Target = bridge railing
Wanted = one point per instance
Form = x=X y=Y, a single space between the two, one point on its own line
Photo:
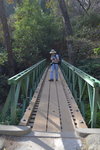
x=22 y=87
x=85 y=89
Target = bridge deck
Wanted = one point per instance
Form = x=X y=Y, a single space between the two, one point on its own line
x=53 y=113
x=53 y=107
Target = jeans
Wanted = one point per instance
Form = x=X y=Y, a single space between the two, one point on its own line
x=54 y=69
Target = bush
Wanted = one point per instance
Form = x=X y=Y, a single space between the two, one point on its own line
x=87 y=26
x=91 y=66
x=91 y=20
x=83 y=48
x=89 y=33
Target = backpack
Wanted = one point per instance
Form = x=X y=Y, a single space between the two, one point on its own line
x=60 y=59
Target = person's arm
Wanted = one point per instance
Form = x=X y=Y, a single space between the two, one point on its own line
x=52 y=59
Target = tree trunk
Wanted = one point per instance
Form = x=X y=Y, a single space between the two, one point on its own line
x=7 y=38
x=68 y=29
x=64 y=11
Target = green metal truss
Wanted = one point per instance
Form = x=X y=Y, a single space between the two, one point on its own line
x=82 y=86
x=22 y=87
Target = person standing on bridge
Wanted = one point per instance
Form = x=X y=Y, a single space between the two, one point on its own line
x=54 y=65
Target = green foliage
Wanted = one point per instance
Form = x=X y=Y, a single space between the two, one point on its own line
x=88 y=115
x=7 y=120
x=87 y=26
x=3 y=57
x=19 y=115
x=91 y=66
x=98 y=119
x=8 y=117
x=87 y=36
x=83 y=48
x=91 y=20
x=88 y=33
x=35 y=32
x=97 y=51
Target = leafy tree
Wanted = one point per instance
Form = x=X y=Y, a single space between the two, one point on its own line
x=35 y=32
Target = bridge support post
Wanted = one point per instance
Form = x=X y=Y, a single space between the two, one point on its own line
x=94 y=106
x=14 y=100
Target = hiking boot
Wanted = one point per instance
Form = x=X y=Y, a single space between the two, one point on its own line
x=51 y=80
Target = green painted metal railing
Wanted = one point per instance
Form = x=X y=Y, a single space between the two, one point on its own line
x=22 y=87
x=84 y=87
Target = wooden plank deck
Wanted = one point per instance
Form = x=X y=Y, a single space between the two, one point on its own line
x=66 y=121
x=53 y=114
x=53 y=110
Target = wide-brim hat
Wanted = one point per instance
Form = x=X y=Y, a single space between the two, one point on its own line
x=52 y=51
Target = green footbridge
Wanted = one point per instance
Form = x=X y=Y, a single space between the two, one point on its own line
x=84 y=88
